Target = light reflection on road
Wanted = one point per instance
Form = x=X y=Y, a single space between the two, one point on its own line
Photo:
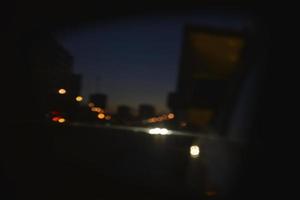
x=147 y=130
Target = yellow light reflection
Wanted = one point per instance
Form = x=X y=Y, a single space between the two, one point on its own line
x=171 y=116
x=79 y=98
x=108 y=117
x=62 y=91
x=101 y=116
x=194 y=151
x=62 y=120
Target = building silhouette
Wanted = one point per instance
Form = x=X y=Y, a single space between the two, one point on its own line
x=146 y=111
x=210 y=63
x=124 y=115
x=51 y=70
x=99 y=100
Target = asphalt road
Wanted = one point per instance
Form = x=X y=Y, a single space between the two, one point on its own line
x=87 y=162
x=84 y=161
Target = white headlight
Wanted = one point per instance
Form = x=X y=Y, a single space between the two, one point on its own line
x=164 y=131
x=154 y=131
x=194 y=151
x=161 y=131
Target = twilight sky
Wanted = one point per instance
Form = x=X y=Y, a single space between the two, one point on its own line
x=133 y=60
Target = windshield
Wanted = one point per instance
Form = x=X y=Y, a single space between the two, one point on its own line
x=152 y=106
x=174 y=71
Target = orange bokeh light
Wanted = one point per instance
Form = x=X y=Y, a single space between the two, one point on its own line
x=101 y=116
x=62 y=91
x=171 y=116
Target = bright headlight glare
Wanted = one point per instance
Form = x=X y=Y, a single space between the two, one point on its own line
x=159 y=131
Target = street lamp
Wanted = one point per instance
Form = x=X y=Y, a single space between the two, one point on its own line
x=62 y=91
x=61 y=120
x=171 y=116
x=101 y=116
x=97 y=109
x=79 y=98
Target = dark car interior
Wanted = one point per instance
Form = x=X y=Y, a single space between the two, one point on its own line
x=44 y=159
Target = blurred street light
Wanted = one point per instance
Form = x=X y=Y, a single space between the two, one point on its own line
x=101 y=116
x=151 y=120
x=79 y=98
x=91 y=104
x=62 y=91
x=171 y=116
x=97 y=109
x=61 y=120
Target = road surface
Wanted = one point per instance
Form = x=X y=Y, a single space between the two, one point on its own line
x=81 y=161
